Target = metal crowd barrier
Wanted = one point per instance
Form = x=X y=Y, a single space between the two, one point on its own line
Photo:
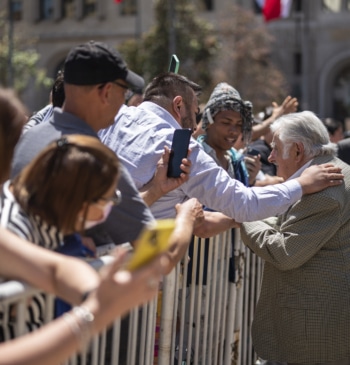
x=202 y=315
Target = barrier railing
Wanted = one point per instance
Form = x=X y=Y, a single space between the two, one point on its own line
x=202 y=316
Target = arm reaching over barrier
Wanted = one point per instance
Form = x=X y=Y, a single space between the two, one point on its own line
x=114 y=293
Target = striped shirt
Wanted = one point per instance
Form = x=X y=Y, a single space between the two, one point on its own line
x=30 y=228
x=41 y=116
x=33 y=229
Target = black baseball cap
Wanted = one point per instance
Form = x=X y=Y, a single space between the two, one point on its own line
x=95 y=63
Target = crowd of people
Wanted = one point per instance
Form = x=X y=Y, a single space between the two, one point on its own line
x=91 y=168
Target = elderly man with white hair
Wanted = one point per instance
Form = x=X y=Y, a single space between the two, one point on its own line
x=303 y=313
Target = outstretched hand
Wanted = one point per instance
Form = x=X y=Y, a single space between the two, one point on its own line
x=165 y=183
x=161 y=184
x=120 y=291
x=190 y=211
x=188 y=214
x=319 y=177
x=289 y=105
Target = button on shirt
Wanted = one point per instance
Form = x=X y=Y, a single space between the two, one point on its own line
x=138 y=137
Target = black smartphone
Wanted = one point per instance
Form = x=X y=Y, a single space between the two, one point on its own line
x=179 y=149
x=174 y=64
x=252 y=151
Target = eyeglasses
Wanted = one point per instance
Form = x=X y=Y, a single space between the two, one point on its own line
x=127 y=91
x=125 y=87
x=115 y=199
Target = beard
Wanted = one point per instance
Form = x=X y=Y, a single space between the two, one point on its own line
x=187 y=121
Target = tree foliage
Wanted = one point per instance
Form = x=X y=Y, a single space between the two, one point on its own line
x=244 y=60
x=196 y=44
x=237 y=51
x=24 y=60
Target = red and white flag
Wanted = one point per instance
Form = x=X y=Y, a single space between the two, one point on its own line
x=118 y=1
x=275 y=9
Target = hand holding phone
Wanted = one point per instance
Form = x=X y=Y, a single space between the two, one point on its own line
x=153 y=240
x=179 y=150
x=252 y=151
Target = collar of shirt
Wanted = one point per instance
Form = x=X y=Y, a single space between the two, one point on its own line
x=211 y=152
x=300 y=171
x=160 y=112
x=71 y=124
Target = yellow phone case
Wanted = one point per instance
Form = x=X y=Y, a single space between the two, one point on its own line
x=152 y=241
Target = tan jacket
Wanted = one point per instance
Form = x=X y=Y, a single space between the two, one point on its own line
x=303 y=313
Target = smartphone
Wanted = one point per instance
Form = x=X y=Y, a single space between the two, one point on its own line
x=179 y=150
x=252 y=152
x=153 y=240
x=174 y=64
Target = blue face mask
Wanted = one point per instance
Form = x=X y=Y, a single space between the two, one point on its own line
x=106 y=209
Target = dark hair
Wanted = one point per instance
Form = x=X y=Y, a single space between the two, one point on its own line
x=57 y=91
x=332 y=125
x=12 y=119
x=69 y=172
x=132 y=96
x=165 y=87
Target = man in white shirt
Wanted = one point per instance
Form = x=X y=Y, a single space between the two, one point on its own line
x=170 y=102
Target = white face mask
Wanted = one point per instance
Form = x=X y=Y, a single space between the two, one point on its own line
x=106 y=209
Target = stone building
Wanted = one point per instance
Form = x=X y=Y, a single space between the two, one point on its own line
x=312 y=45
x=313 y=50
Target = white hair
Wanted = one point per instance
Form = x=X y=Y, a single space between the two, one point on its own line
x=306 y=128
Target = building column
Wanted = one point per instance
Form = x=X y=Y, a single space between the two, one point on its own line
x=101 y=9
x=79 y=10
x=57 y=9
x=31 y=11
x=305 y=46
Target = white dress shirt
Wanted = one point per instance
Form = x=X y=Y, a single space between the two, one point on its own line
x=138 y=137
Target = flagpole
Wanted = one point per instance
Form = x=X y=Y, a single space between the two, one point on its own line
x=10 y=45
x=138 y=25
x=172 y=36
x=305 y=36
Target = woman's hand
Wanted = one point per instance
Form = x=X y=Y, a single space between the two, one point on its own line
x=120 y=291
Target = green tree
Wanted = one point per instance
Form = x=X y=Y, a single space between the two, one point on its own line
x=24 y=60
x=196 y=44
x=244 y=59
x=237 y=51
